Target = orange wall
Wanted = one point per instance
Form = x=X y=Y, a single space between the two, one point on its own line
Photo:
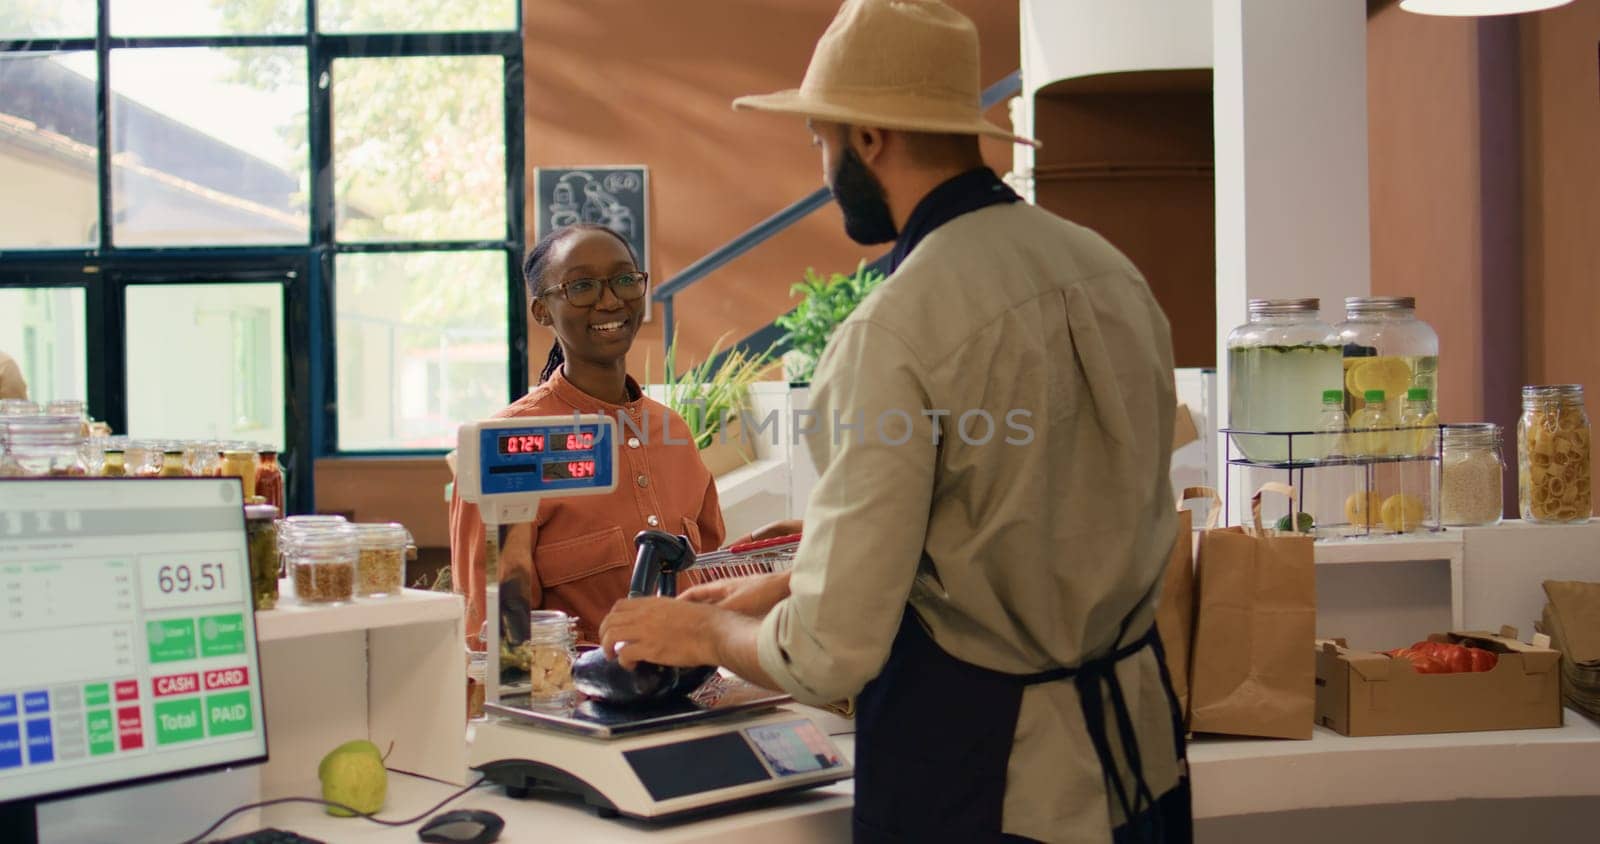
x=1561 y=95
x=650 y=82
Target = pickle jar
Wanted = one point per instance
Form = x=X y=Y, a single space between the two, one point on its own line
x=1472 y=473
x=323 y=561
x=1554 y=456
x=1279 y=365
x=381 y=569
x=551 y=649
x=1387 y=348
x=261 y=534
x=43 y=447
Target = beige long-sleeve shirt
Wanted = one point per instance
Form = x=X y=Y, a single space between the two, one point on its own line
x=1022 y=542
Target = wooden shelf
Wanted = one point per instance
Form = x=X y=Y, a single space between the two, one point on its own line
x=291 y=620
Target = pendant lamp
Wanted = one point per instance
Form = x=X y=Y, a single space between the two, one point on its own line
x=1477 y=8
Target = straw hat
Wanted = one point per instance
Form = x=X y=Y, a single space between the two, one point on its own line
x=892 y=64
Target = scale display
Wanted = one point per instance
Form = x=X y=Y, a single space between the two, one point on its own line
x=545 y=455
x=127 y=637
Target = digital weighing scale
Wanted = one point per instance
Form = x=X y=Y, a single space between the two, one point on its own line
x=727 y=743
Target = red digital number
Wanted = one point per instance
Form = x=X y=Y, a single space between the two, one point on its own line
x=578 y=442
x=583 y=469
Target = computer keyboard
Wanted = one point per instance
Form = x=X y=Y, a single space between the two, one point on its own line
x=267 y=836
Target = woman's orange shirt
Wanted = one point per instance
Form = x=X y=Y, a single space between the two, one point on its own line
x=582 y=548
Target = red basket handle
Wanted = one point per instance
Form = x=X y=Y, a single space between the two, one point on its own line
x=759 y=544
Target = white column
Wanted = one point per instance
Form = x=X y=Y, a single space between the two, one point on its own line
x=1291 y=156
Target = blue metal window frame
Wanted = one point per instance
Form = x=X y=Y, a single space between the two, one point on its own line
x=307 y=271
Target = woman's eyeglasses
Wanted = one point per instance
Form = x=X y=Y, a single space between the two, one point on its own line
x=585 y=292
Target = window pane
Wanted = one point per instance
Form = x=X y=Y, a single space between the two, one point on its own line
x=47 y=19
x=205 y=361
x=416 y=15
x=419 y=148
x=422 y=346
x=49 y=165
x=206 y=17
x=219 y=159
x=44 y=329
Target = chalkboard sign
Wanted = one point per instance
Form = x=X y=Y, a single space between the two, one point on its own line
x=616 y=197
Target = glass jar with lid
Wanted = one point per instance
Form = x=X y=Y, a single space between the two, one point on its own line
x=261 y=535
x=43 y=446
x=291 y=527
x=114 y=465
x=550 y=651
x=1471 y=475
x=381 y=569
x=1554 y=456
x=324 y=564
x=1279 y=365
x=1387 y=348
x=241 y=464
x=269 y=476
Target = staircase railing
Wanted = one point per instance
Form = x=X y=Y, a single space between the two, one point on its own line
x=769 y=338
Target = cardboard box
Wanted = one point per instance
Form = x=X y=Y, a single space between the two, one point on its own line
x=1365 y=693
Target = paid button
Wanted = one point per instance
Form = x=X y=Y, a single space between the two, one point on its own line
x=228 y=713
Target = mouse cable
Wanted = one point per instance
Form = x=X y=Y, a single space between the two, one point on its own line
x=326 y=803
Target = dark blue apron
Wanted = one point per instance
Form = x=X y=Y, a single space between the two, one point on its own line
x=934 y=736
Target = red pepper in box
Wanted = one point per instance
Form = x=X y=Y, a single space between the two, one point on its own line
x=1483 y=660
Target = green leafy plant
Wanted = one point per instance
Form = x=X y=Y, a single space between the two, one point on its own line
x=826 y=304
x=707 y=395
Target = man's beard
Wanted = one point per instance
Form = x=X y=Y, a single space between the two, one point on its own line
x=867 y=219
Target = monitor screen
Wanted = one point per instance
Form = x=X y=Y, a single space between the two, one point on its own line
x=127 y=640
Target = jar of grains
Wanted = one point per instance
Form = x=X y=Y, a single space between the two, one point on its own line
x=551 y=646
x=381 y=569
x=1554 y=455
x=1472 y=472
x=324 y=564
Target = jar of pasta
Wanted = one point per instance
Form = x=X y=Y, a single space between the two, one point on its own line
x=1471 y=493
x=550 y=651
x=1554 y=456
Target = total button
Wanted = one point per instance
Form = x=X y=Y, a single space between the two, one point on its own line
x=643 y=480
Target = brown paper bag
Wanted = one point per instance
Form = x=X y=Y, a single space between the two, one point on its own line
x=1252 y=671
x=1175 y=608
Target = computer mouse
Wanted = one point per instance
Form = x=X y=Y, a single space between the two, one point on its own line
x=462 y=826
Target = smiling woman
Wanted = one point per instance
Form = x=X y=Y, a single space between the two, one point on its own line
x=584 y=284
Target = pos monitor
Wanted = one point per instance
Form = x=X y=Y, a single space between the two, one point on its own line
x=127 y=639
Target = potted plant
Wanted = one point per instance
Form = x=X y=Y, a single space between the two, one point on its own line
x=710 y=398
x=826 y=304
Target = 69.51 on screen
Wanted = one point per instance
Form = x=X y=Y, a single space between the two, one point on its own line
x=189 y=579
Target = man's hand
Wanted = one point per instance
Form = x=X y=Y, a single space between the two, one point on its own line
x=669 y=631
x=784 y=527
x=664 y=631
x=753 y=595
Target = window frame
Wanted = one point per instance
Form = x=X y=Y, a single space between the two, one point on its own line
x=311 y=358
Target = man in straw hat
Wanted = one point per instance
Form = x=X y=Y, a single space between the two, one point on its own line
x=985 y=542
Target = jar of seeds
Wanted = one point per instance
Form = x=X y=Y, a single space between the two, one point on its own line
x=381 y=567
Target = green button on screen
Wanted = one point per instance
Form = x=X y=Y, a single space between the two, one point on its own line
x=102 y=732
x=96 y=694
x=228 y=713
x=178 y=720
x=171 y=640
x=222 y=635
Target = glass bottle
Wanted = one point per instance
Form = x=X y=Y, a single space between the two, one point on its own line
x=44 y=446
x=269 y=478
x=114 y=467
x=324 y=564
x=172 y=463
x=241 y=464
x=381 y=570
x=1334 y=425
x=261 y=533
x=1374 y=414
x=1472 y=472
x=1554 y=456
x=551 y=647
x=1387 y=348
x=1279 y=364
x=1421 y=424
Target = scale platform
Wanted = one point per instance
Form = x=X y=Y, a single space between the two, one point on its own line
x=730 y=743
